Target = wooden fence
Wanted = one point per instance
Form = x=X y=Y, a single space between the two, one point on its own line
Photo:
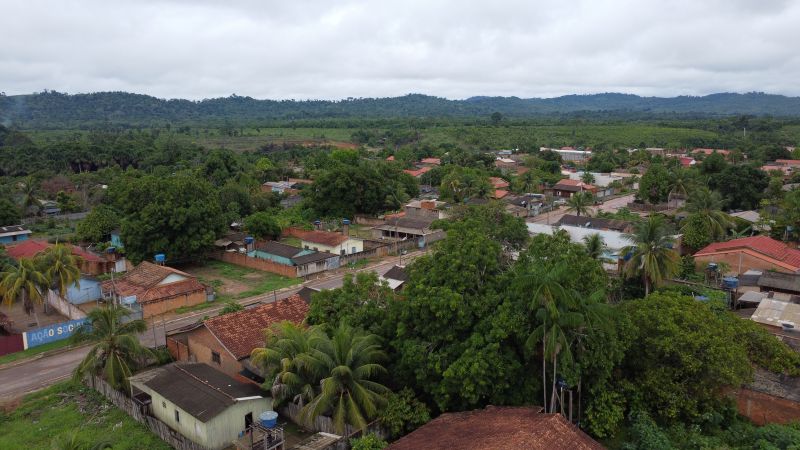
x=157 y=427
x=325 y=424
x=265 y=265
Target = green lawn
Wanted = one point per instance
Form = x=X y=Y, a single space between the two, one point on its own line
x=34 y=351
x=69 y=407
x=247 y=282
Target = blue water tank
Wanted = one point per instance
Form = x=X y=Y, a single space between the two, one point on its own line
x=248 y=240
x=346 y=221
x=317 y=222
x=160 y=257
x=268 y=419
x=111 y=250
x=730 y=282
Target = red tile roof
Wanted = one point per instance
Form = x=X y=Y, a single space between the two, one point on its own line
x=708 y=151
x=434 y=161
x=329 y=238
x=775 y=250
x=686 y=161
x=242 y=331
x=499 y=193
x=573 y=185
x=417 y=173
x=498 y=182
x=498 y=428
x=390 y=158
x=30 y=248
x=143 y=282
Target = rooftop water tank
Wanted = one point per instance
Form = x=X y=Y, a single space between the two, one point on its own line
x=248 y=240
x=111 y=250
x=160 y=258
x=268 y=419
x=730 y=282
x=346 y=221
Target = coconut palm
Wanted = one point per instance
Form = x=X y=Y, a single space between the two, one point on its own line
x=580 y=202
x=707 y=205
x=594 y=244
x=30 y=194
x=348 y=392
x=24 y=283
x=61 y=267
x=117 y=351
x=679 y=183
x=651 y=255
x=588 y=178
x=282 y=357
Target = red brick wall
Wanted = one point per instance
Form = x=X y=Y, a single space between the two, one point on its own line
x=169 y=304
x=256 y=263
x=764 y=408
x=747 y=262
x=202 y=343
x=178 y=350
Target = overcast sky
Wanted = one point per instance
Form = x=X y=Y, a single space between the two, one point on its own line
x=456 y=49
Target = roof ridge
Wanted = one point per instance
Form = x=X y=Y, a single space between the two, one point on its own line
x=204 y=382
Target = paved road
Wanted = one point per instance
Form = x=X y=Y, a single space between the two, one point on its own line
x=39 y=373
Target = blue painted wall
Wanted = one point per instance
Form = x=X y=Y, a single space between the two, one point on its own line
x=271 y=257
x=88 y=292
x=51 y=333
x=11 y=239
x=116 y=240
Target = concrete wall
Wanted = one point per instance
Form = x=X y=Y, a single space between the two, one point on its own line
x=740 y=261
x=13 y=239
x=347 y=246
x=155 y=308
x=89 y=291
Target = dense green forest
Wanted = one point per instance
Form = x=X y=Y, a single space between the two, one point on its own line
x=54 y=109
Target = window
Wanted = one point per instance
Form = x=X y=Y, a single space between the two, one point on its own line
x=177 y=416
x=215 y=357
x=353 y=250
x=342 y=251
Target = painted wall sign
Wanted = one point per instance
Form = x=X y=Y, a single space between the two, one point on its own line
x=51 y=333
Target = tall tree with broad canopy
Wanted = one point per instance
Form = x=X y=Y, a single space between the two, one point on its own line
x=178 y=215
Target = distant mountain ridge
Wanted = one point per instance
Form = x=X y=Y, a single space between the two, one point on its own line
x=52 y=108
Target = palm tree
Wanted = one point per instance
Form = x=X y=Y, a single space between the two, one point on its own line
x=24 y=283
x=707 y=205
x=351 y=361
x=580 y=203
x=594 y=244
x=117 y=351
x=30 y=194
x=587 y=177
x=679 y=183
x=651 y=255
x=61 y=267
x=283 y=358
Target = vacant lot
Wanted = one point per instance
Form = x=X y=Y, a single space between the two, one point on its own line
x=233 y=282
x=67 y=408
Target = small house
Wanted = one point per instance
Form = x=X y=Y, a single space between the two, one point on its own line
x=395 y=278
x=566 y=188
x=202 y=404
x=225 y=342
x=13 y=233
x=154 y=289
x=755 y=252
x=332 y=242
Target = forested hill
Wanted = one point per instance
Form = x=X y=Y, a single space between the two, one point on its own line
x=51 y=108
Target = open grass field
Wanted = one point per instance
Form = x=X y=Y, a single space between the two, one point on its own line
x=67 y=408
x=234 y=282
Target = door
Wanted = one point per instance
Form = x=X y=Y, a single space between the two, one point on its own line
x=248 y=421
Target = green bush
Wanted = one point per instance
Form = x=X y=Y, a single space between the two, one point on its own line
x=368 y=442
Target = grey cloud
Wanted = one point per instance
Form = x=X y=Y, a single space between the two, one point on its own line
x=336 y=49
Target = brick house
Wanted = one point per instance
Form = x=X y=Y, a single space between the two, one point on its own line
x=90 y=264
x=755 y=252
x=566 y=188
x=225 y=342
x=154 y=289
